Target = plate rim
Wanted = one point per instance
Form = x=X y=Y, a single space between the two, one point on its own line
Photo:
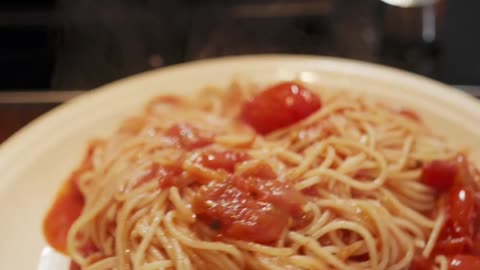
x=349 y=66
x=109 y=87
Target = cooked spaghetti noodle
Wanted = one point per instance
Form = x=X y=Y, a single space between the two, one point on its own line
x=196 y=183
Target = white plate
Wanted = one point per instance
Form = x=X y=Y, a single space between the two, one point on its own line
x=35 y=161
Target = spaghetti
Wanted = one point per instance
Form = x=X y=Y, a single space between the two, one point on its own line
x=282 y=178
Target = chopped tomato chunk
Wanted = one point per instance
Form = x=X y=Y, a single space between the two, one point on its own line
x=476 y=242
x=279 y=194
x=457 y=233
x=225 y=160
x=235 y=213
x=188 y=136
x=249 y=208
x=464 y=262
x=279 y=106
x=460 y=231
x=439 y=174
x=74 y=266
x=462 y=211
x=453 y=246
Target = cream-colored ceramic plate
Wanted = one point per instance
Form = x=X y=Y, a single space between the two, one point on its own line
x=35 y=161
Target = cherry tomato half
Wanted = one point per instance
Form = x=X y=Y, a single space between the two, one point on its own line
x=439 y=174
x=279 y=106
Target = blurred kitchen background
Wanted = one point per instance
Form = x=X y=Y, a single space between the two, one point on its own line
x=51 y=46
x=80 y=44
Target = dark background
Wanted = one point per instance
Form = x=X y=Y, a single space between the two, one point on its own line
x=80 y=44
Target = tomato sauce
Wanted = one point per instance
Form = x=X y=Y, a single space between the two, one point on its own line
x=67 y=206
x=65 y=210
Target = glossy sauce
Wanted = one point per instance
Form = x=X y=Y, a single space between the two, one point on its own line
x=67 y=206
x=65 y=210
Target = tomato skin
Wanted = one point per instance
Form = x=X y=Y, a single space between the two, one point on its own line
x=457 y=233
x=439 y=174
x=453 y=246
x=250 y=208
x=74 y=266
x=462 y=210
x=225 y=160
x=476 y=244
x=279 y=106
x=188 y=136
x=235 y=213
x=279 y=194
x=464 y=262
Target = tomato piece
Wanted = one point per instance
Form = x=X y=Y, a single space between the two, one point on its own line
x=302 y=221
x=457 y=234
x=167 y=176
x=439 y=174
x=74 y=266
x=462 y=210
x=188 y=136
x=464 y=262
x=421 y=263
x=249 y=208
x=235 y=213
x=225 y=160
x=277 y=193
x=476 y=244
x=279 y=106
x=453 y=246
